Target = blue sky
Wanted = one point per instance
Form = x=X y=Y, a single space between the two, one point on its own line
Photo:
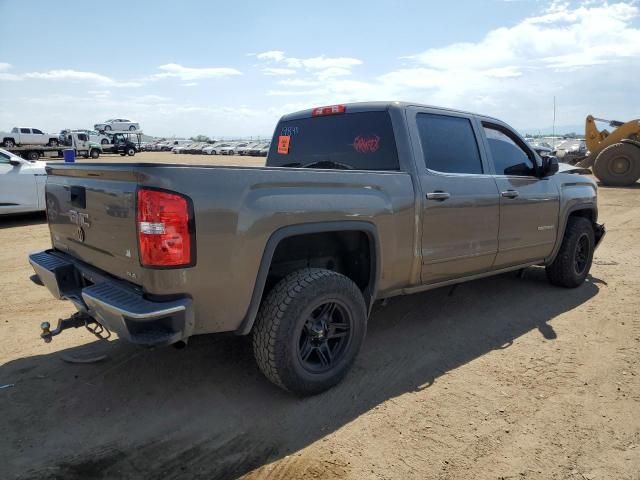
x=232 y=68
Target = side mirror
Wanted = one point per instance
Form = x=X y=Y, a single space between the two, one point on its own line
x=15 y=163
x=549 y=165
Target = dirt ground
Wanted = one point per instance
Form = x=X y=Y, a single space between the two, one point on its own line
x=504 y=378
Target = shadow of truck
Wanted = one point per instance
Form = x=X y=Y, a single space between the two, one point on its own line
x=207 y=412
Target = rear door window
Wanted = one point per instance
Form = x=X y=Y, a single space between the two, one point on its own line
x=448 y=144
x=358 y=141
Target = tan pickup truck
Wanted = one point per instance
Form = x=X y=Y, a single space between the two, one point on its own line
x=356 y=203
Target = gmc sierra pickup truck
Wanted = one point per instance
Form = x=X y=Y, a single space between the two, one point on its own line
x=356 y=203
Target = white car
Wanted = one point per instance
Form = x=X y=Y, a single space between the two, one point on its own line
x=233 y=148
x=21 y=184
x=117 y=124
x=216 y=148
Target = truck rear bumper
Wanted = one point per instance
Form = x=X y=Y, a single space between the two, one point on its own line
x=117 y=306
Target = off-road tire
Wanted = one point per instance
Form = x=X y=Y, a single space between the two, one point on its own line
x=618 y=164
x=563 y=271
x=282 y=316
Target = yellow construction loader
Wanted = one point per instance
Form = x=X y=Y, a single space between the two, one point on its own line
x=614 y=157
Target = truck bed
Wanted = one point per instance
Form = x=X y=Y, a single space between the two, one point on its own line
x=237 y=211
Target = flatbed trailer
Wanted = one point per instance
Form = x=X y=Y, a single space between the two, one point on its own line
x=35 y=152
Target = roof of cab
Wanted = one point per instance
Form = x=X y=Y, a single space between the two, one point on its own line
x=378 y=106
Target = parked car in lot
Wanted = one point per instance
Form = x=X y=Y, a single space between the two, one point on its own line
x=264 y=151
x=258 y=150
x=21 y=184
x=232 y=149
x=571 y=149
x=541 y=148
x=216 y=148
x=168 y=145
x=245 y=149
x=356 y=203
x=117 y=124
x=195 y=148
x=182 y=148
x=27 y=136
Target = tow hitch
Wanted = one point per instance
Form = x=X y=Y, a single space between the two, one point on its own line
x=78 y=319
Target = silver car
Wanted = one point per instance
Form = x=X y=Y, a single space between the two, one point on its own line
x=117 y=124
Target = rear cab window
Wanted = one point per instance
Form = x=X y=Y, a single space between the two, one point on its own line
x=350 y=141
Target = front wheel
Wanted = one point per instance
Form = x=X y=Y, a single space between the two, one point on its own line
x=309 y=330
x=131 y=151
x=132 y=128
x=104 y=141
x=95 y=153
x=9 y=143
x=573 y=261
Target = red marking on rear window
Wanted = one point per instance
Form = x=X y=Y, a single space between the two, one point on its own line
x=366 y=143
x=283 y=144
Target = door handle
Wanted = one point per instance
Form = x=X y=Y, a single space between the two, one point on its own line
x=510 y=194
x=437 y=195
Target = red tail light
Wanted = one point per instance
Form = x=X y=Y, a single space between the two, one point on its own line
x=164 y=233
x=330 y=110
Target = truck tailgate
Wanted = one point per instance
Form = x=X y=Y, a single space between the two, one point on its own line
x=92 y=216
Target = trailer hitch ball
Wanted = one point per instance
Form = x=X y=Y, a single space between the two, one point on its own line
x=46 y=332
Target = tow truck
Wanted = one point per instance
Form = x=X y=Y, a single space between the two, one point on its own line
x=77 y=140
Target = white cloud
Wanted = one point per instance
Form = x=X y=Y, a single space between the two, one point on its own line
x=583 y=55
x=275 y=55
x=278 y=71
x=174 y=70
x=10 y=77
x=75 y=75
x=170 y=70
x=322 y=66
x=559 y=38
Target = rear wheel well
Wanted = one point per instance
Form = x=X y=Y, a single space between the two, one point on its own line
x=349 y=252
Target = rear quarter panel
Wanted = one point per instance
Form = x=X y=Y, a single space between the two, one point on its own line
x=237 y=210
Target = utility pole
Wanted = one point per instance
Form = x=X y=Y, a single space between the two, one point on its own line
x=553 y=128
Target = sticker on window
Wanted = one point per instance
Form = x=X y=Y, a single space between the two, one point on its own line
x=290 y=131
x=366 y=143
x=283 y=144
